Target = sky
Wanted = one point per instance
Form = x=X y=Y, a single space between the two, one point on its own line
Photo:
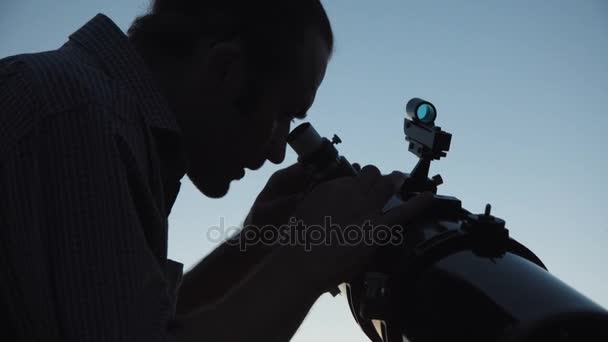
x=522 y=85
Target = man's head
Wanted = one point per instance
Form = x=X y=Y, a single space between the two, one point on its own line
x=236 y=73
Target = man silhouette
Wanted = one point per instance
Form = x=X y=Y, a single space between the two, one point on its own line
x=94 y=139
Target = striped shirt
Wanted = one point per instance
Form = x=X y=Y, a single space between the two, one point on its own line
x=89 y=169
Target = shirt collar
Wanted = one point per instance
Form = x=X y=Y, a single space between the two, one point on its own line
x=114 y=53
x=119 y=59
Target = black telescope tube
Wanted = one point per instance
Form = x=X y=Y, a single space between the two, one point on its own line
x=465 y=297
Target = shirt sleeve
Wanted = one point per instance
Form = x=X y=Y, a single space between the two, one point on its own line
x=74 y=261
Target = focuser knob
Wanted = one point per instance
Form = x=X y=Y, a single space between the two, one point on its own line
x=336 y=139
x=485 y=221
x=437 y=180
x=488 y=233
x=488 y=210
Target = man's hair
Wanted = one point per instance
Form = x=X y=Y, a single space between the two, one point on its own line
x=269 y=30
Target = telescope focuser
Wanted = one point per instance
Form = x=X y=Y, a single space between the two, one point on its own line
x=319 y=155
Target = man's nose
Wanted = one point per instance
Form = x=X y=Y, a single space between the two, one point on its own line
x=277 y=152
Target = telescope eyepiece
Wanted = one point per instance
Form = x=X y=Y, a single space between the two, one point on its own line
x=422 y=111
x=304 y=140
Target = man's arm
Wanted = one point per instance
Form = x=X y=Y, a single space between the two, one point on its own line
x=232 y=261
x=224 y=268
x=268 y=305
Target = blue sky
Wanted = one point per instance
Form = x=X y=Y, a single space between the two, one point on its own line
x=521 y=85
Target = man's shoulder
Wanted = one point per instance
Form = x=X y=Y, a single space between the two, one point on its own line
x=42 y=86
x=60 y=79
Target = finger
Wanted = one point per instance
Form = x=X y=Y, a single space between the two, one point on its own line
x=385 y=187
x=290 y=180
x=414 y=208
x=368 y=177
x=275 y=212
x=285 y=205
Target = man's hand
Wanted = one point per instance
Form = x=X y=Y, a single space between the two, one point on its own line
x=352 y=201
x=228 y=264
x=279 y=198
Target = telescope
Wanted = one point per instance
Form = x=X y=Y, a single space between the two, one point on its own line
x=456 y=276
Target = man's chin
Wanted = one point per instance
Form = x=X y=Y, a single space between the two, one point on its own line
x=212 y=189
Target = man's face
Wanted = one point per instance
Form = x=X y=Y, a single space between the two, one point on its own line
x=222 y=139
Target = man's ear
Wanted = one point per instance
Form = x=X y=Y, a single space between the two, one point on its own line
x=225 y=69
